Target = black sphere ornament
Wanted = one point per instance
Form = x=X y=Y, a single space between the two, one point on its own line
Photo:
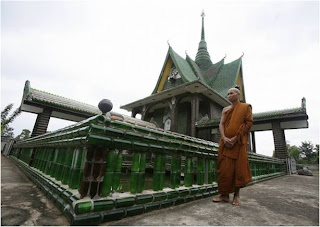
x=105 y=105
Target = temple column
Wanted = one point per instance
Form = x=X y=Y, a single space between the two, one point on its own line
x=42 y=122
x=253 y=139
x=143 y=112
x=279 y=141
x=194 y=114
x=134 y=113
x=215 y=112
x=173 y=105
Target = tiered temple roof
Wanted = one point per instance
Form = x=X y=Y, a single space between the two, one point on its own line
x=215 y=78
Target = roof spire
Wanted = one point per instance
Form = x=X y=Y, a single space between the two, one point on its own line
x=202 y=30
x=203 y=58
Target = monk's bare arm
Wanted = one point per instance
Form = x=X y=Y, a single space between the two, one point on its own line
x=221 y=127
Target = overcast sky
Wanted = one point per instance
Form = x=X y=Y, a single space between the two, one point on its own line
x=90 y=50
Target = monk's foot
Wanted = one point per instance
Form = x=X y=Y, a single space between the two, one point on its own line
x=221 y=198
x=236 y=201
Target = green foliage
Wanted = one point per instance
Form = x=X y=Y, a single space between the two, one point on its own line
x=6 y=130
x=317 y=151
x=294 y=152
x=25 y=134
x=308 y=152
x=304 y=154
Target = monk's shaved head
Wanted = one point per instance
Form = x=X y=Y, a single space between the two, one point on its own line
x=236 y=90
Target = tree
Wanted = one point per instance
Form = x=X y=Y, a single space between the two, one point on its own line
x=6 y=130
x=25 y=134
x=294 y=152
x=317 y=150
x=307 y=151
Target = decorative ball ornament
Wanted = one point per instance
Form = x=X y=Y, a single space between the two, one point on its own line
x=105 y=105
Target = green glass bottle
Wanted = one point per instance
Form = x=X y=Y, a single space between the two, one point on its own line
x=54 y=163
x=134 y=172
x=141 y=175
x=162 y=171
x=188 y=172
x=175 y=172
x=117 y=172
x=43 y=159
x=109 y=172
x=156 y=173
x=67 y=165
x=61 y=158
x=200 y=171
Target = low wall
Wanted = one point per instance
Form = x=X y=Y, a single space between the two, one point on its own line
x=310 y=166
x=82 y=167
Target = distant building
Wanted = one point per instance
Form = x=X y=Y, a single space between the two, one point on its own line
x=6 y=144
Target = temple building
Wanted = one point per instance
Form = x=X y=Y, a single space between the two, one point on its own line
x=190 y=95
x=189 y=91
x=188 y=98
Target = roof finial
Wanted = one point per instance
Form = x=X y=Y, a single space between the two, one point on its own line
x=242 y=54
x=203 y=58
x=186 y=52
x=203 y=14
x=202 y=30
x=303 y=103
x=105 y=106
x=168 y=42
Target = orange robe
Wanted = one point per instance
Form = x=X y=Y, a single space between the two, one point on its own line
x=233 y=164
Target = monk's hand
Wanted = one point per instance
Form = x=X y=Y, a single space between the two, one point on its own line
x=227 y=142
x=233 y=140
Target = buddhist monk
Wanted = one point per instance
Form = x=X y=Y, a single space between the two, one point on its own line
x=233 y=165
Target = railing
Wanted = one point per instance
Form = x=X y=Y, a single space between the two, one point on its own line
x=102 y=169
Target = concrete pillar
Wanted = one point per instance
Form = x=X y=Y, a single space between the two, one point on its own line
x=143 y=112
x=194 y=113
x=42 y=122
x=134 y=113
x=253 y=139
x=279 y=141
x=173 y=107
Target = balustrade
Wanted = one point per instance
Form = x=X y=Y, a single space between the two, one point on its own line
x=81 y=167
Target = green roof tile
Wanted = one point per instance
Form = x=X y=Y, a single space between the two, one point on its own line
x=258 y=116
x=45 y=97
x=278 y=113
x=185 y=70
x=226 y=77
x=218 y=76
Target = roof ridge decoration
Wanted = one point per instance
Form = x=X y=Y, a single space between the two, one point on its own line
x=259 y=115
x=31 y=94
x=59 y=96
x=203 y=58
x=194 y=66
x=281 y=111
